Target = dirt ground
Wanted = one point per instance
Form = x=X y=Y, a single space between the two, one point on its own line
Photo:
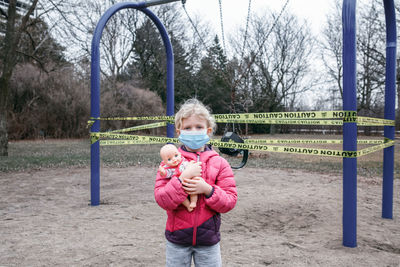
x=282 y=218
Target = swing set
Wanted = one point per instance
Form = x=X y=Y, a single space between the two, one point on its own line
x=232 y=144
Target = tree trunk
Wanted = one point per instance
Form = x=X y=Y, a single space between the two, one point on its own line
x=3 y=133
x=9 y=58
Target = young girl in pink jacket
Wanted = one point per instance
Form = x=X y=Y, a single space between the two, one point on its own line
x=196 y=234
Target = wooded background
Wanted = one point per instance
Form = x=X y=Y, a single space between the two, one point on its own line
x=269 y=65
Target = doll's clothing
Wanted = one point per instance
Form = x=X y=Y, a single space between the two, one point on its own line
x=174 y=170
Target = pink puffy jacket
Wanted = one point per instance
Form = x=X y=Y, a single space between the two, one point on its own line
x=201 y=226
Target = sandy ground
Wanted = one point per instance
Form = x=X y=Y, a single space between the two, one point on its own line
x=283 y=218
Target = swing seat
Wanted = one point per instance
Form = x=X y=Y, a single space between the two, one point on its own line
x=233 y=137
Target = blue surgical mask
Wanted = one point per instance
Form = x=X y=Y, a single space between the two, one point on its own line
x=194 y=139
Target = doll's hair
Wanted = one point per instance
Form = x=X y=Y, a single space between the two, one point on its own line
x=194 y=107
x=167 y=148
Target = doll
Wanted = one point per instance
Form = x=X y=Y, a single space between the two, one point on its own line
x=172 y=165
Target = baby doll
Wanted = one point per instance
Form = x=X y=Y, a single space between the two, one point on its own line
x=173 y=164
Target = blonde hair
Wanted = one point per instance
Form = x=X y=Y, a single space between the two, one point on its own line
x=194 y=107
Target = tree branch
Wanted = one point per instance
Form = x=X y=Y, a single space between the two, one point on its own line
x=4 y=13
x=25 y=18
x=35 y=59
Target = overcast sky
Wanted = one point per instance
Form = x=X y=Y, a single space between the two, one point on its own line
x=234 y=14
x=235 y=11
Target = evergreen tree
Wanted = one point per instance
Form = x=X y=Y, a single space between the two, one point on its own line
x=184 y=78
x=213 y=80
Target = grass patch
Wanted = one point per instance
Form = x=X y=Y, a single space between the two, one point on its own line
x=134 y=155
x=34 y=155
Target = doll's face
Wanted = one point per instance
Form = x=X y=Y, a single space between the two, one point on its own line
x=171 y=157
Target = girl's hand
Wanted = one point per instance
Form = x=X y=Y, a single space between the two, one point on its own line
x=192 y=169
x=196 y=186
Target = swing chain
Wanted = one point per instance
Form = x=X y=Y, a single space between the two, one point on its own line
x=222 y=25
x=247 y=27
x=192 y=23
x=254 y=55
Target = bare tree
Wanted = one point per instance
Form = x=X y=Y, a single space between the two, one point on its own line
x=331 y=54
x=370 y=55
x=79 y=20
x=28 y=37
x=129 y=39
x=371 y=59
x=282 y=63
x=16 y=24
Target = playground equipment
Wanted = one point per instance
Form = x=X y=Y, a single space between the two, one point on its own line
x=349 y=105
x=95 y=82
x=233 y=151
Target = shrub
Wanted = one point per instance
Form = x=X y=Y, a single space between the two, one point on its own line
x=57 y=104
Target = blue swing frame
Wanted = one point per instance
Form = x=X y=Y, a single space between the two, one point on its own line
x=349 y=103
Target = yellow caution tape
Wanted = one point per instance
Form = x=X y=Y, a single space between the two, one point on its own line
x=369 y=150
x=168 y=119
x=138 y=139
x=137 y=142
x=306 y=122
x=90 y=123
x=302 y=150
x=274 y=121
x=284 y=149
x=375 y=121
x=248 y=145
x=289 y=115
x=141 y=127
x=297 y=118
x=351 y=115
x=307 y=141
x=142 y=118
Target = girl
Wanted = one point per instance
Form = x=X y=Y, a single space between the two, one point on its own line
x=196 y=234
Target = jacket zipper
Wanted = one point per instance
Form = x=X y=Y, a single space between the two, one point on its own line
x=196 y=217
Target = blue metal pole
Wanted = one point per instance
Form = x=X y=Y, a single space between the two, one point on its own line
x=390 y=98
x=350 y=128
x=95 y=87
